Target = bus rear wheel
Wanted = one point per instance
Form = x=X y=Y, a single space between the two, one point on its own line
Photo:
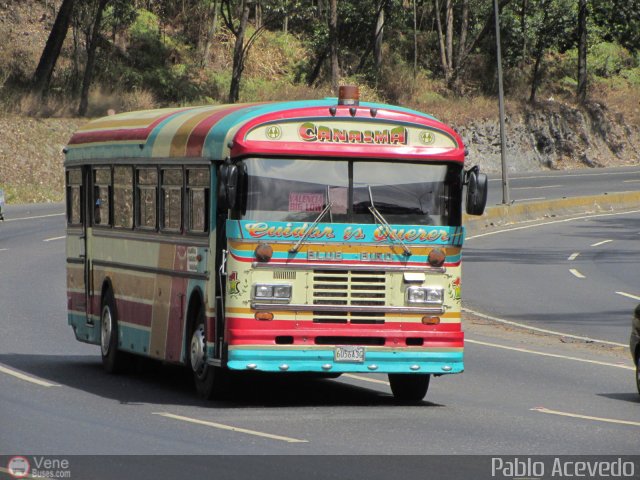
x=112 y=359
x=409 y=388
x=208 y=379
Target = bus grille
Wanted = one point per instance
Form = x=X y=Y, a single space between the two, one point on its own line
x=349 y=289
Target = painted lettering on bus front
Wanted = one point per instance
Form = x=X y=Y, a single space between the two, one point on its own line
x=310 y=132
x=349 y=232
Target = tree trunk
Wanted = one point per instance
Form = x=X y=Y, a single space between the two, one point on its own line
x=285 y=20
x=91 y=58
x=333 y=40
x=523 y=27
x=464 y=26
x=441 y=42
x=42 y=76
x=238 y=54
x=415 y=40
x=210 y=34
x=377 y=42
x=582 y=51
x=449 y=26
x=539 y=53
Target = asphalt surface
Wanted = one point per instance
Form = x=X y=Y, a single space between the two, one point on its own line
x=548 y=185
x=520 y=393
x=579 y=277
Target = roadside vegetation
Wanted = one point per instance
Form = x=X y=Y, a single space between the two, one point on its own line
x=437 y=56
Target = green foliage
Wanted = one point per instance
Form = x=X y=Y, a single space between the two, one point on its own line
x=606 y=59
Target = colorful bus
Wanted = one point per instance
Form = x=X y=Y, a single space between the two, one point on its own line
x=309 y=236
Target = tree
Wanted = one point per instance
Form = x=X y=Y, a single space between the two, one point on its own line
x=42 y=76
x=333 y=45
x=582 y=51
x=91 y=58
x=238 y=49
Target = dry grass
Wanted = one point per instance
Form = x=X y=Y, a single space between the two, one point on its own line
x=31 y=159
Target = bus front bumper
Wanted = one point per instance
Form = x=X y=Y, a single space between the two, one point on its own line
x=376 y=360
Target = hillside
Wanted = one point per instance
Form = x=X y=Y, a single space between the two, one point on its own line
x=552 y=132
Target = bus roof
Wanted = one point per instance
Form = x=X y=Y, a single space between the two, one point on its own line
x=319 y=128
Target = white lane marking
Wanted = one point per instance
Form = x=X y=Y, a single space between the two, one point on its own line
x=530 y=199
x=54 y=238
x=545 y=354
x=543 y=330
x=33 y=218
x=537 y=188
x=230 y=428
x=585 y=417
x=552 y=222
x=26 y=378
x=563 y=175
x=601 y=243
x=364 y=379
x=576 y=273
x=573 y=256
x=624 y=294
x=3 y=249
x=631 y=181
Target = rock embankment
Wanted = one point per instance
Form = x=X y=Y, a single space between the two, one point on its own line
x=554 y=136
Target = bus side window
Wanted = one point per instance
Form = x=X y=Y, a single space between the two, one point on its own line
x=123 y=197
x=172 y=184
x=198 y=181
x=146 y=192
x=101 y=196
x=74 y=196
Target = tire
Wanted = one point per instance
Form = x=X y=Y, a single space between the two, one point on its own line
x=210 y=381
x=409 y=388
x=113 y=360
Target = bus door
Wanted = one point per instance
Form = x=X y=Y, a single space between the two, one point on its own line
x=78 y=216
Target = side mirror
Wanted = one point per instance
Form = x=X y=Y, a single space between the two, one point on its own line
x=477 y=188
x=223 y=198
x=227 y=186
x=232 y=186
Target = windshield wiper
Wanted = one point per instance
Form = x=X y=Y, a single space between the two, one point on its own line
x=387 y=228
x=297 y=246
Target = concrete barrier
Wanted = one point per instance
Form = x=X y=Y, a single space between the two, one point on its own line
x=504 y=215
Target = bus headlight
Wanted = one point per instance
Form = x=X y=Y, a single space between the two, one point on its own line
x=425 y=295
x=272 y=293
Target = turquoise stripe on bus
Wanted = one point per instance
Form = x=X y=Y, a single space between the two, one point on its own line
x=132 y=339
x=158 y=128
x=216 y=143
x=269 y=360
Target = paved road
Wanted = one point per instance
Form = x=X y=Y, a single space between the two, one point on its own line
x=519 y=394
x=547 y=185
x=579 y=277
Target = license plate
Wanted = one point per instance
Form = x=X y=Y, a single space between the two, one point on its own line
x=349 y=354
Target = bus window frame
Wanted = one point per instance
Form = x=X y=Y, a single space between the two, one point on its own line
x=94 y=185
x=137 y=198
x=161 y=211
x=132 y=169
x=188 y=204
x=69 y=197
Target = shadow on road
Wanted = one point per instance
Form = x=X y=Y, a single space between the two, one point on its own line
x=624 y=397
x=151 y=382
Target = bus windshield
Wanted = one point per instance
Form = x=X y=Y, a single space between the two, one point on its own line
x=294 y=190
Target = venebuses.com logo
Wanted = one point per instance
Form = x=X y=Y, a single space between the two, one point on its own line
x=39 y=467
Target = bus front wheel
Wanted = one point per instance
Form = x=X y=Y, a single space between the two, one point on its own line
x=409 y=388
x=208 y=379
x=112 y=359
